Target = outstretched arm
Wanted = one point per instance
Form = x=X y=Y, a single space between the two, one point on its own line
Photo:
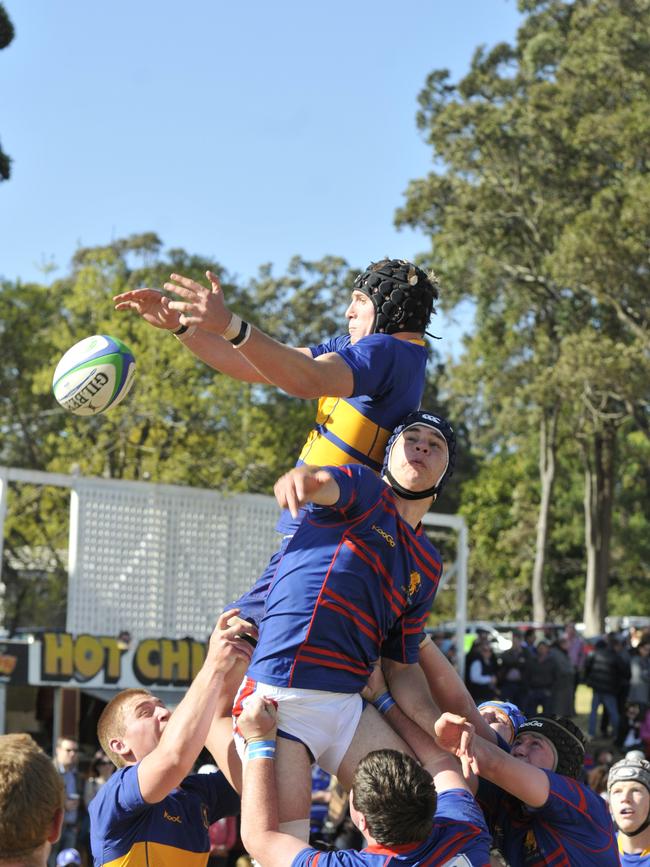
x=154 y=307
x=409 y=688
x=443 y=767
x=184 y=734
x=259 y=806
x=294 y=371
x=220 y=741
x=448 y=690
x=523 y=780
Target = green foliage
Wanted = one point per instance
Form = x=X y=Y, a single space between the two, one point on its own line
x=537 y=210
x=183 y=422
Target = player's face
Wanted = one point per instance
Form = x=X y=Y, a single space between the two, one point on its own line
x=418 y=458
x=629 y=802
x=535 y=750
x=144 y=722
x=499 y=721
x=360 y=315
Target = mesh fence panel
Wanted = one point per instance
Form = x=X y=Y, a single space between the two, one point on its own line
x=159 y=560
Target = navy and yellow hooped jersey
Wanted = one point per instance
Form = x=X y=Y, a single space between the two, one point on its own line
x=388 y=384
x=125 y=831
x=354 y=583
x=640 y=859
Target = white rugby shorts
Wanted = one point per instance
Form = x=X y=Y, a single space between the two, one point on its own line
x=325 y=722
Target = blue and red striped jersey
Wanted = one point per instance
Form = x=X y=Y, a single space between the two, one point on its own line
x=572 y=829
x=459 y=838
x=356 y=582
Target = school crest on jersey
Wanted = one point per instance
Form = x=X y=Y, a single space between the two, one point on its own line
x=415 y=582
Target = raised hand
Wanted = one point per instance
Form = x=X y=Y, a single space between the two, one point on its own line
x=227 y=646
x=299 y=487
x=376 y=685
x=200 y=306
x=455 y=735
x=258 y=719
x=152 y=305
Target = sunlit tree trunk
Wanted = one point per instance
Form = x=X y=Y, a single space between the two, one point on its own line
x=600 y=460
x=547 y=448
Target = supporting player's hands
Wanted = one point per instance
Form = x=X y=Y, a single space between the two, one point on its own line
x=376 y=685
x=227 y=647
x=200 y=306
x=259 y=718
x=152 y=305
x=455 y=735
x=302 y=485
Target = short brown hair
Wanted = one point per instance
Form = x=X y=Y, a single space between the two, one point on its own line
x=397 y=797
x=31 y=793
x=111 y=722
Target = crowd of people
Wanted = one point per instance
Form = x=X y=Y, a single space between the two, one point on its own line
x=542 y=674
x=326 y=662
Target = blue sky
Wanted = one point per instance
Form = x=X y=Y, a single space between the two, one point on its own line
x=246 y=132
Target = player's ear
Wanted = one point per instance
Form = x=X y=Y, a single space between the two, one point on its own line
x=55 y=827
x=118 y=746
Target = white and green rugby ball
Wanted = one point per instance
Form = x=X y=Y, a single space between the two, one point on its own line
x=94 y=375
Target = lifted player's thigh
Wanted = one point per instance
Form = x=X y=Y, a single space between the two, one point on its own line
x=373 y=733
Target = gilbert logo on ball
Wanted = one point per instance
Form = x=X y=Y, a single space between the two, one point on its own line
x=94 y=375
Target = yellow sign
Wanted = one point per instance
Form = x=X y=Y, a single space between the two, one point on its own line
x=105 y=661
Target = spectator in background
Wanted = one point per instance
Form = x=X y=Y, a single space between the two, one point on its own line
x=563 y=687
x=65 y=761
x=597 y=780
x=31 y=802
x=529 y=640
x=320 y=800
x=605 y=670
x=639 y=690
x=541 y=673
x=644 y=731
x=482 y=673
x=630 y=728
x=577 y=651
x=512 y=665
x=100 y=770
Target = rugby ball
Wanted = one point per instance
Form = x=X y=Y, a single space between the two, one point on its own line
x=94 y=375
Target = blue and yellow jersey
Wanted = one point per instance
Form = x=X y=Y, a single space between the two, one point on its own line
x=640 y=859
x=572 y=829
x=388 y=384
x=125 y=831
x=459 y=839
x=355 y=582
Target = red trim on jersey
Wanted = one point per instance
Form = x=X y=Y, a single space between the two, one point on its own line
x=373 y=635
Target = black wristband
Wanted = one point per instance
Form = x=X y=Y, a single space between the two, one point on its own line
x=180 y=330
x=243 y=335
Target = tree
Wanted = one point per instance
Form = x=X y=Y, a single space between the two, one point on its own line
x=183 y=422
x=530 y=148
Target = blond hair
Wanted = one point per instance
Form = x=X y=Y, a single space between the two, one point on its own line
x=111 y=722
x=31 y=794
